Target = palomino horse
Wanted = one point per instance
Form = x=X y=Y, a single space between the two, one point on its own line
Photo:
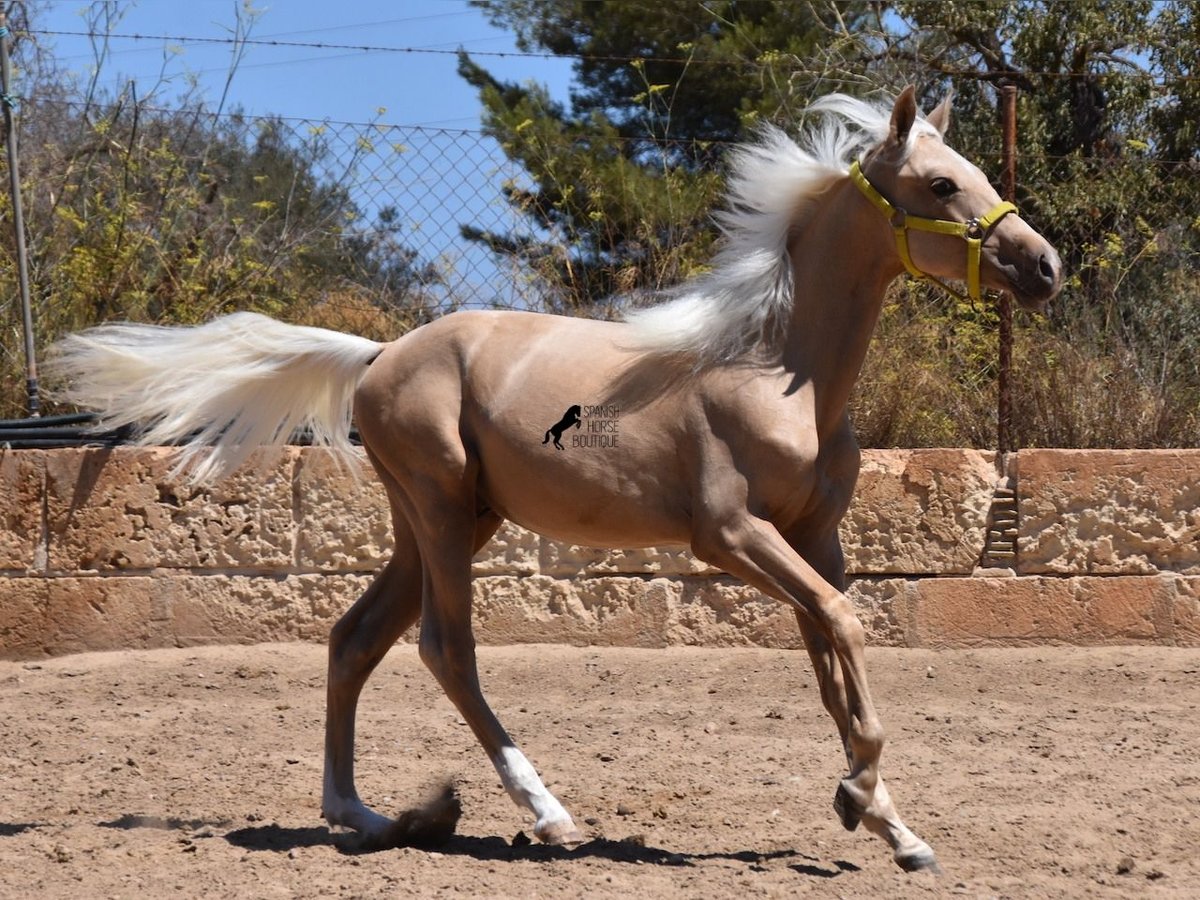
x=731 y=399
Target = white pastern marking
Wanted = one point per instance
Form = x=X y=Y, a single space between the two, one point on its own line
x=349 y=812
x=521 y=781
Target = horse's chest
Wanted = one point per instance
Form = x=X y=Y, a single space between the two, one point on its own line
x=801 y=481
x=830 y=495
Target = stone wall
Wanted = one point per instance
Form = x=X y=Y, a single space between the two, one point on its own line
x=103 y=549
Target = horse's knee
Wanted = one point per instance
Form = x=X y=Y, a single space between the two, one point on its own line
x=841 y=622
x=721 y=544
x=866 y=739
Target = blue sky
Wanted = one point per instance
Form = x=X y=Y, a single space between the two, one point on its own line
x=415 y=88
x=450 y=183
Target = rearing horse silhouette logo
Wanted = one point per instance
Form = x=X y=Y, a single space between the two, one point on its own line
x=570 y=417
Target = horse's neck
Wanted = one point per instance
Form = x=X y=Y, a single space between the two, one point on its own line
x=842 y=262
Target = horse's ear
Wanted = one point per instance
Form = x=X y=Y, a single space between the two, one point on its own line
x=904 y=114
x=940 y=117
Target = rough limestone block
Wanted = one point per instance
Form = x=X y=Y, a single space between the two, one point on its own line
x=618 y=612
x=511 y=551
x=121 y=509
x=141 y=611
x=1109 y=511
x=21 y=476
x=23 y=603
x=106 y=614
x=344 y=523
x=240 y=609
x=918 y=512
x=884 y=607
x=570 y=561
x=1185 y=625
x=724 y=612
x=968 y=612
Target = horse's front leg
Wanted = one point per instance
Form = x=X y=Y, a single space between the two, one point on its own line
x=880 y=816
x=753 y=550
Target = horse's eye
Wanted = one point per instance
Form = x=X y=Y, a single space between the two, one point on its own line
x=943 y=188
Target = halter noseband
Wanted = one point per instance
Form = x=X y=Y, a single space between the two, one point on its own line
x=974 y=232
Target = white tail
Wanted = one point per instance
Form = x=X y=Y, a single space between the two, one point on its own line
x=221 y=389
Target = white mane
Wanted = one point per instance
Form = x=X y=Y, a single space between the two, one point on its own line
x=746 y=299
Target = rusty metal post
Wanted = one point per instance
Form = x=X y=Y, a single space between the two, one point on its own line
x=1008 y=187
x=14 y=179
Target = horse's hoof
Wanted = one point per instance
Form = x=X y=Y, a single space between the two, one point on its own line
x=849 y=810
x=560 y=834
x=921 y=861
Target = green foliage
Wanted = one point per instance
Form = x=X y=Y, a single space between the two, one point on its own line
x=1109 y=152
x=679 y=69
x=144 y=215
x=602 y=221
x=621 y=185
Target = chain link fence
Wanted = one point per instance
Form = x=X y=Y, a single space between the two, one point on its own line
x=422 y=186
x=151 y=214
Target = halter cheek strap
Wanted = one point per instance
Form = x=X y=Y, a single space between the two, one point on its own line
x=974 y=232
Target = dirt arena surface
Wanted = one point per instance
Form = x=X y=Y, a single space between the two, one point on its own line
x=1047 y=772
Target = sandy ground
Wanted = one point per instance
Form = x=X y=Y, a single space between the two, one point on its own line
x=1048 y=772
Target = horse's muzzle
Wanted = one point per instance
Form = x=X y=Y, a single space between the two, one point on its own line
x=1041 y=282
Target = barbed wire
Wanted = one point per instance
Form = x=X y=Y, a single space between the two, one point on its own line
x=1126 y=71
x=271 y=117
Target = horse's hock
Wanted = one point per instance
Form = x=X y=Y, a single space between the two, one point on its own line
x=103 y=549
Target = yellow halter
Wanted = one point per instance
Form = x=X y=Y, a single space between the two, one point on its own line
x=974 y=232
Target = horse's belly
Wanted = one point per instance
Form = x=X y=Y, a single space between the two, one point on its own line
x=608 y=526
x=603 y=484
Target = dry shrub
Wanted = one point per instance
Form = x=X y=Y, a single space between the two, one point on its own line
x=927 y=380
x=1067 y=394
x=930 y=380
x=352 y=312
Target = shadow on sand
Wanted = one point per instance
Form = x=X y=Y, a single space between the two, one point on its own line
x=12 y=829
x=431 y=826
x=274 y=838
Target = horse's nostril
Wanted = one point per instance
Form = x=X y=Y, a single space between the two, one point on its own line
x=1046 y=268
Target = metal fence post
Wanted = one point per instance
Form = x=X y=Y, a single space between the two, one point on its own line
x=14 y=180
x=1008 y=185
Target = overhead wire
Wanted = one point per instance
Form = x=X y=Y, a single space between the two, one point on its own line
x=1124 y=72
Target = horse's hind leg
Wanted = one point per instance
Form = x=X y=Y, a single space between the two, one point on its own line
x=360 y=639
x=448 y=649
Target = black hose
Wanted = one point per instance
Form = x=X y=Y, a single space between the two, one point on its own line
x=72 y=430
